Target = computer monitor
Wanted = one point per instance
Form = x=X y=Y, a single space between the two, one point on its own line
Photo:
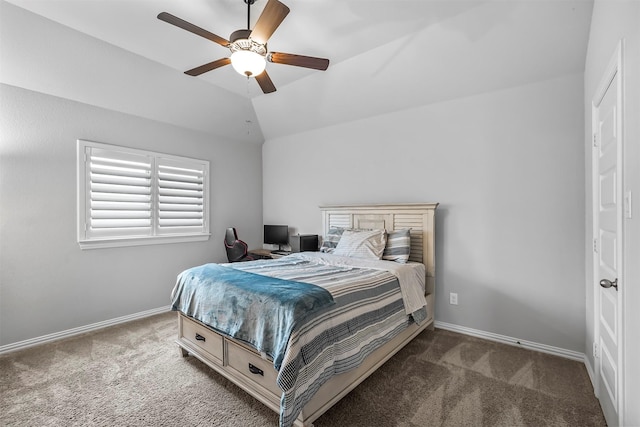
x=276 y=235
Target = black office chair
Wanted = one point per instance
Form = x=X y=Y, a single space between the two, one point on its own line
x=237 y=250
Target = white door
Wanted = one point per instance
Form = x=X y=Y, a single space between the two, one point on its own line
x=607 y=211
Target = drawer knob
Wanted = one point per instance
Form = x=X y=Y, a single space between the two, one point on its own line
x=255 y=370
x=200 y=338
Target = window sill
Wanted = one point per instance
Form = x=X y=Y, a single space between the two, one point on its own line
x=140 y=241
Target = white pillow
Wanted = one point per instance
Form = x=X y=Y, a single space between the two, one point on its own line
x=362 y=244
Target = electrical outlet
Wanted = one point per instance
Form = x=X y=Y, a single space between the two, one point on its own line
x=453 y=298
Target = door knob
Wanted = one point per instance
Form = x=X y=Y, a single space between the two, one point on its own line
x=606 y=283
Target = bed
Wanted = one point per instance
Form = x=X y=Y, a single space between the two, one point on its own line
x=301 y=355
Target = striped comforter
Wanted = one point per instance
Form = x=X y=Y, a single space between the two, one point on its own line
x=369 y=310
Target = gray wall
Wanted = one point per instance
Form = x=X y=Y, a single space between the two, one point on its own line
x=47 y=284
x=611 y=22
x=506 y=166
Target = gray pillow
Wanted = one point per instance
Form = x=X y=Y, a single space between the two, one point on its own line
x=398 y=246
x=331 y=240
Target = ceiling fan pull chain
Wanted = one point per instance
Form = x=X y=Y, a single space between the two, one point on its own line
x=248 y=119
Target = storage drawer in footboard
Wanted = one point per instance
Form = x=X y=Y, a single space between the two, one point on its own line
x=202 y=338
x=254 y=368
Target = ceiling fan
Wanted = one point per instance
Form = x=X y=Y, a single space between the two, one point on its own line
x=248 y=47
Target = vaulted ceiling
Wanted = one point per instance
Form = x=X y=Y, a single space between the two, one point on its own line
x=386 y=55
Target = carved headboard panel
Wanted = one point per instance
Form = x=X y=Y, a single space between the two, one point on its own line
x=419 y=217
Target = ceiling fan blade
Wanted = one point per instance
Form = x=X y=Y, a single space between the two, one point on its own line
x=265 y=82
x=174 y=20
x=208 y=67
x=272 y=16
x=298 y=60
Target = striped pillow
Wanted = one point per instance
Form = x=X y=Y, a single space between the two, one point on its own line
x=362 y=244
x=331 y=240
x=398 y=246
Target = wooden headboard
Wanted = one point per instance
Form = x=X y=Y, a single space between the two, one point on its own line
x=419 y=217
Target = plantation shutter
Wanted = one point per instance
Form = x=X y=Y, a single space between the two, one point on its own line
x=119 y=193
x=131 y=197
x=181 y=201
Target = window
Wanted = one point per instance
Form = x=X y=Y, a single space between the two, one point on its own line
x=134 y=197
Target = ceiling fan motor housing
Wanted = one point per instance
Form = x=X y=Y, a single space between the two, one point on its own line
x=240 y=40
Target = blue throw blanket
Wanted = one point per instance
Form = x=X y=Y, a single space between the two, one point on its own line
x=259 y=310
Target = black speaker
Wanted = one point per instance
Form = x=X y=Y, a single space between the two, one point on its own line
x=303 y=242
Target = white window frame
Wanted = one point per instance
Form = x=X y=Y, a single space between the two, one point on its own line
x=160 y=213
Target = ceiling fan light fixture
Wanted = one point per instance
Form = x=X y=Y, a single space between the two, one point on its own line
x=248 y=63
x=247 y=56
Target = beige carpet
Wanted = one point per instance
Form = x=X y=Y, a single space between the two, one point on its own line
x=133 y=375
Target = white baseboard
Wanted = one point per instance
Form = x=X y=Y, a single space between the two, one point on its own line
x=557 y=351
x=80 y=330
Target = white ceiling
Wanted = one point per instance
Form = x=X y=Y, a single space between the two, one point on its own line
x=407 y=52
